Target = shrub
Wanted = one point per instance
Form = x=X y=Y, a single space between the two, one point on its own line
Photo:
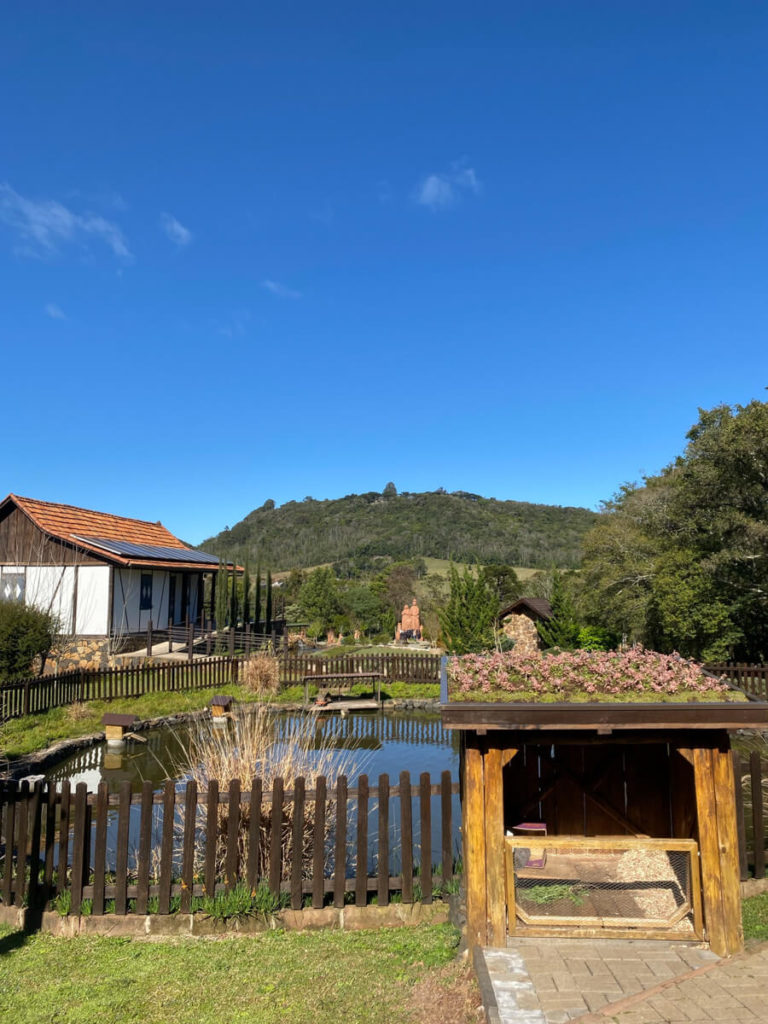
x=595 y=638
x=261 y=673
x=26 y=633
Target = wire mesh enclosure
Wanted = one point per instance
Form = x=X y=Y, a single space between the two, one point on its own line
x=603 y=885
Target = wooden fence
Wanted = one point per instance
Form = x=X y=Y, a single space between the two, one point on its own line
x=29 y=696
x=751 y=799
x=156 y=852
x=753 y=679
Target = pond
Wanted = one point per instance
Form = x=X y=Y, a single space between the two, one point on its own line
x=388 y=743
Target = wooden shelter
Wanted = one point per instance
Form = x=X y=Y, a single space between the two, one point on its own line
x=596 y=786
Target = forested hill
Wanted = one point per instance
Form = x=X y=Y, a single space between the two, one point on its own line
x=461 y=526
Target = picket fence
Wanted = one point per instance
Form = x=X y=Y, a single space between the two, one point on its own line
x=155 y=852
x=33 y=695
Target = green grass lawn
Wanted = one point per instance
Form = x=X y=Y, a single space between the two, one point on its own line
x=22 y=736
x=754 y=914
x=306 y=978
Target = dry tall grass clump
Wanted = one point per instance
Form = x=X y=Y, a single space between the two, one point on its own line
x=261 y=673
x=259 y=743
x=77 y=711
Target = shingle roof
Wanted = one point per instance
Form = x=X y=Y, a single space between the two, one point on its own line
x=75 y=525
x=538 y=605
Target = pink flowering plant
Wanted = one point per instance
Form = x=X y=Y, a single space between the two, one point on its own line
x=634 y=674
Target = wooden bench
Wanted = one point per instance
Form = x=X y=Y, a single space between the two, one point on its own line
x=343 y=678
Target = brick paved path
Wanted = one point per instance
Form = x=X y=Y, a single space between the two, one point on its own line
x=553 y=981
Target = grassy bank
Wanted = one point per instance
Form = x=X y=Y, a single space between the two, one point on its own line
x=317 y=978
x=22 y=736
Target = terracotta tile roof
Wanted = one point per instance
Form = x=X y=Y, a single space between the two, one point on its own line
x=68 y=521
x=74 y=525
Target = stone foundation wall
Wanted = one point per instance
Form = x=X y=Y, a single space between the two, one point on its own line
x=80 y=652
x=523 y=631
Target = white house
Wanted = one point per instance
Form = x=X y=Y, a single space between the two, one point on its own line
x=105 y=576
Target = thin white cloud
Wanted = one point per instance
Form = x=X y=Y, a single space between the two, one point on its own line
x=44 y=225
x=436 y=191
x=176 y=231
x=55 y=312
x=439 y=191
x=280 y=290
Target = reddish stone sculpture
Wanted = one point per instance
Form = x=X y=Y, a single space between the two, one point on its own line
x=409 y=626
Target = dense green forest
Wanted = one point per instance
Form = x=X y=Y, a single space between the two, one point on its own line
x=681 y=561
x=460 y=526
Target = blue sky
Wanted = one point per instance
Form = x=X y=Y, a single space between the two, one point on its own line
x=268 y=251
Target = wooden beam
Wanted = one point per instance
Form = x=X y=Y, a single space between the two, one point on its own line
x=496 y=929
x=507 y=754
x=590 y=717
x=473 y=821
x=728 y=843
x=706 y=812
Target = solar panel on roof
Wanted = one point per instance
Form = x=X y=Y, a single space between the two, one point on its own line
x=150 y=551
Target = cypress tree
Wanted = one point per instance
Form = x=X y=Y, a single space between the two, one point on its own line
x=268 y=612
x=233 y=598
x=221 y=595
x=246 y=595
x=257 y=599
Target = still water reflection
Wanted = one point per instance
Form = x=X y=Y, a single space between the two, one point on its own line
x=388 y=743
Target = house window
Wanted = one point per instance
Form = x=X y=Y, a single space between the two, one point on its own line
x=145 y=594
x=12 y=586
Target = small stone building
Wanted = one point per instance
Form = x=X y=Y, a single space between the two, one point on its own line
x=518 y=621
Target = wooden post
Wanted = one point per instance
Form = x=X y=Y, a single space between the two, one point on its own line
x=494 y=847
x=758 y=819
x=473 y=815
x=149 y=639
x=718 y=847
x=170 y=634
x=728 y=841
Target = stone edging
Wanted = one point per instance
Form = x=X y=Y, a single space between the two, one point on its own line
x=753 y=887
x=396 y=915
x=41 y=760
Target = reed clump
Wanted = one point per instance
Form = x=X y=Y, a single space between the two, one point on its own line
x=258 y=743
x=261 y=673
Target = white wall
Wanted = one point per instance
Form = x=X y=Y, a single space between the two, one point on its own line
x=127 y=617
x=92 y=600
x=51 y=588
